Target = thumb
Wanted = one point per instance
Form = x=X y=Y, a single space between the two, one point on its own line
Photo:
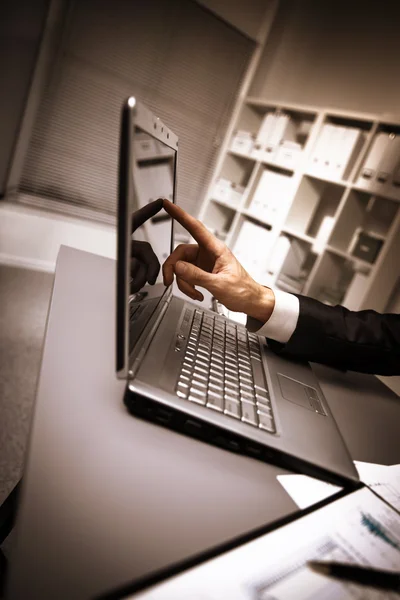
x=193 y=274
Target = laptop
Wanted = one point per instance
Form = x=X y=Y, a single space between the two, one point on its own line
x=188 y=368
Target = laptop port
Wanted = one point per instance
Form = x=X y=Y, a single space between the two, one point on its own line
x=163 y=415
x=193 y=427
x=254 y=450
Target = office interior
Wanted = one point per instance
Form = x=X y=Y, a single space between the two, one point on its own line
x=213 y=71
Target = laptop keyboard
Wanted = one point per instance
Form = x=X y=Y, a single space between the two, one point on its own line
x=222 y=370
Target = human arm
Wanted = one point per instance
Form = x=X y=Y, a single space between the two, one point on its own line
x=364 y=341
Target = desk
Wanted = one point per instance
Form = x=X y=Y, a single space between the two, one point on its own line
x=108 y=498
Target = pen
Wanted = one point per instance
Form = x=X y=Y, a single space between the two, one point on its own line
x=384 y=580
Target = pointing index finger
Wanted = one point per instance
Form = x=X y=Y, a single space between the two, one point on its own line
x=196 y=229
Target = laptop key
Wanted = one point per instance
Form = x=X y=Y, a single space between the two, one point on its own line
x=216 y=387
x=215 y=401
x=199 y=396
x=263 y=405
x=249 y=414
x=247 y=396
x=258 y=375
x=198 y=385
x=232 y=409
x=266 y=422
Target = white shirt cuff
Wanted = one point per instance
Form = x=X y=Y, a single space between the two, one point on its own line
x=283 y=320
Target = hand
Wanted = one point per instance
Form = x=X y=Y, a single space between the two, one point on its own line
x=144 y=265
x=211 y=264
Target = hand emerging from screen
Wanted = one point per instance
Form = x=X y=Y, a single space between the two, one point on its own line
x=144 y=263
x=210 y=264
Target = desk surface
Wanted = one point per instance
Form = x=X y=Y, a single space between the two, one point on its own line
x=107 y=497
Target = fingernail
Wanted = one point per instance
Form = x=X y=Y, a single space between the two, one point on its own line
x=180 y=268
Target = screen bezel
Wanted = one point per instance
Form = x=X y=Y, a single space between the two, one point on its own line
x=133 y=114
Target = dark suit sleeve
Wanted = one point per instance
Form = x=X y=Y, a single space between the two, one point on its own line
x=363 y=341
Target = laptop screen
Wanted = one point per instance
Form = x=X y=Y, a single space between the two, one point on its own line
x=153 y=173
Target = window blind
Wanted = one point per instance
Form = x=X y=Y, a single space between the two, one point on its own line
x=184 y=63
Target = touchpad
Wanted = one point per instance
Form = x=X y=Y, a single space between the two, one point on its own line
x=300 y=394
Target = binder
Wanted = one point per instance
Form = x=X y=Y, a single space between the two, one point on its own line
x=389 y=160
x=282 y=129
x=288 y=154
x=265 y=130
x=320 y=155
x=351 y=142
x=242 y=142
x=334 y=149
x=374 y=158
x=271 y=196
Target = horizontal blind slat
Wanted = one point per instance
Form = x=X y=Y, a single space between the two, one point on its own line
x=180 y=60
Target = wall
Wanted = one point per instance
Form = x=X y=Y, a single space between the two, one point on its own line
x=32 y=238
x=21 y=25
x=333 y=53
x=245 y=15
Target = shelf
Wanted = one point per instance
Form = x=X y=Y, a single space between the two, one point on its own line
x=291 y=261
x=241 y=155
x=225 y=204
x=270 y=163
x=363 y=225
x=218 y=219
x=298 y=235
x=320 y=231
x=362 y=265
x=273 y=105
x=254 y=217
x=321 y=177
x=379 y=190
x=315 y=199
x=278 y=166
x=332 y=281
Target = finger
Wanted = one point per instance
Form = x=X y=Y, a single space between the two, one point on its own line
x=186 y=252
x=144 y=252
x=143 y=214
x=195 y=276
x=195 y=228
x=189 y=290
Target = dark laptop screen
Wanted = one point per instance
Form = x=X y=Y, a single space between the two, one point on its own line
x=153 y=173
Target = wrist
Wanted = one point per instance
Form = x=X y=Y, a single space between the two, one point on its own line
x=262 y=304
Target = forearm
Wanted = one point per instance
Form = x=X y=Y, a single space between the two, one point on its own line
x=364 y=341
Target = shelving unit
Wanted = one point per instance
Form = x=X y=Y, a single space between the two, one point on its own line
x=320 y=219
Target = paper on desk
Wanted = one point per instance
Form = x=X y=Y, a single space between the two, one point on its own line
x=358 y=528
x=384 y=480
x=306 y=491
